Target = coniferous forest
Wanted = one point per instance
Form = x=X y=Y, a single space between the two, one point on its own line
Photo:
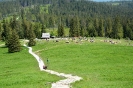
x=30 y=18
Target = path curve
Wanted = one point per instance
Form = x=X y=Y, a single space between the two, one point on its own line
x=65 y=83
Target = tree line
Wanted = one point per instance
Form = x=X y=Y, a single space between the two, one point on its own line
x=82 y=8
x=12 y=30
x=28 y=19
x=109 y=28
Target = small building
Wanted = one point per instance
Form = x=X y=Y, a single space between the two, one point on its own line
x=45 y=35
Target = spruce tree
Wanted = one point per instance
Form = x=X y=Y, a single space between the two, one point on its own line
x=129 y=31
x=51 y=22
x=43 y=29
x=13 y=23
x=25 y=27
x=37 y=30
x=32 y=41
x=22 y=14
x=83 y=31
x=108 y=31
x=71 y=31
x=96 y=25
x=14 y=44
x=77 y=27
x=8 y=37
x=118 y=29
x=5 y=29
x=0 y=31
x=7 y=32
x=91 y=30
x=101 y=31
x=74 y=27
x=60 y=30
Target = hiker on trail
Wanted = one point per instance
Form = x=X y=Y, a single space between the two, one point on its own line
x=45 y=67
x=47 y=60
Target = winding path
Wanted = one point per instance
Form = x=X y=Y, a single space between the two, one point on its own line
x=65 y=83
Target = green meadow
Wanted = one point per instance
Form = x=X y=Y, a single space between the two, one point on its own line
x=100 y=64
x=20 y=70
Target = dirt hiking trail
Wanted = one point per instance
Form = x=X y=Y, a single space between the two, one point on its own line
x=65 y=83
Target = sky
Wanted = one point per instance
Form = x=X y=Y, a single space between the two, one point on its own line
x=101 y=0
x=106 y=0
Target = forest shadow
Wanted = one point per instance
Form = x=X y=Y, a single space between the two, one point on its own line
x=3 y=46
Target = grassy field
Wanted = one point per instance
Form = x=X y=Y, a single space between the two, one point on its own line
x=101 y=64
x=20 y=70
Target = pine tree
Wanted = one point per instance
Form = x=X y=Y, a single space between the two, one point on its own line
x=74 y=27
x=51 y=22
x=71 y=31
x=25 y=28
x=22 y=14
x=118 y=29
x=0 y=31
x=60 y=30
x=5 y=29
x=37 y=30
x=83 y=31
x=32 y=41
x=16 y=25
x=43 y=29
x=129 y=31
x=101 y=31
x=91 y=30
x=77 y=27
x=13 y=23
x=96 y=25
x=7 y=32
x=14 y=44
x=108 y=31
x=8 y=37
x=131 y=34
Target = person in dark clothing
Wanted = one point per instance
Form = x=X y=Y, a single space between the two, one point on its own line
x=47 y=60
x=45 y=67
